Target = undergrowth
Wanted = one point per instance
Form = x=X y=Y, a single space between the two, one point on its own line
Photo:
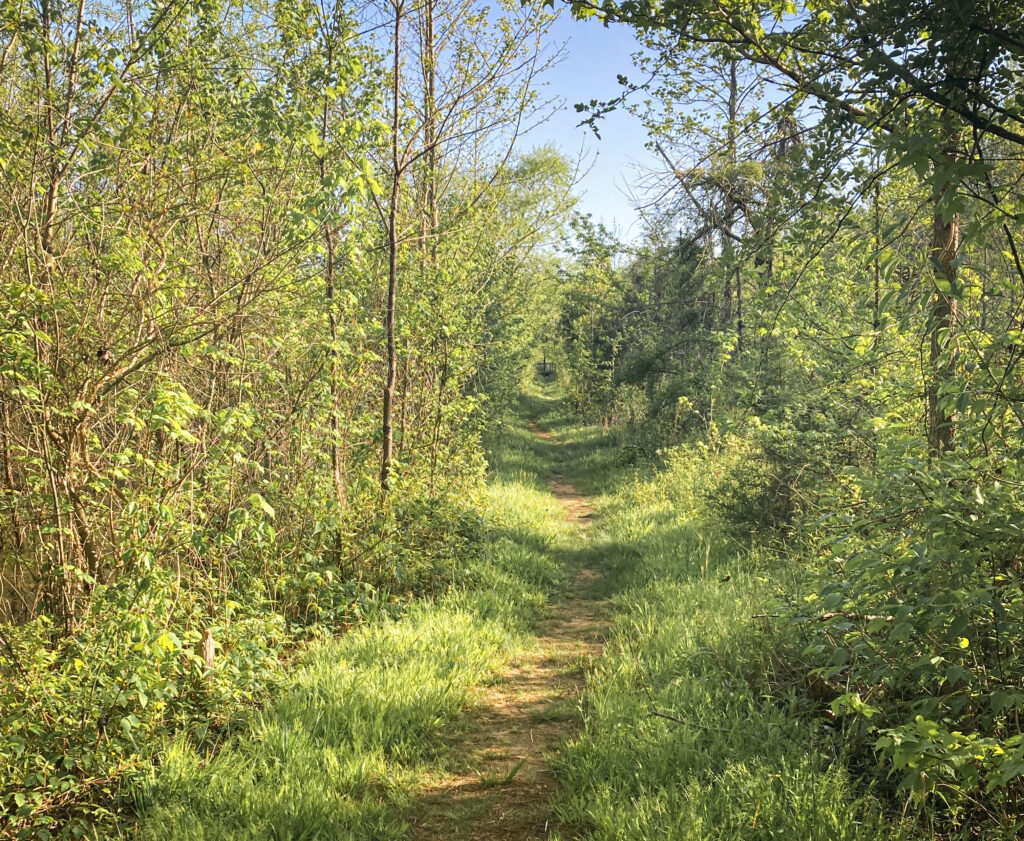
x=366 y=718
x=682 y=736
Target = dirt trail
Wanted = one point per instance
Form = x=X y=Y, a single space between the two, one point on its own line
x=575 y=506
x=502 y=788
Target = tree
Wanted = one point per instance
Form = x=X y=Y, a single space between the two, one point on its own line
x=459 y=113
x=910 y=71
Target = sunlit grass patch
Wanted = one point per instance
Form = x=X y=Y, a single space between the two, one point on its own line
x=679 y=738
x=335 y=755
x=366 y=719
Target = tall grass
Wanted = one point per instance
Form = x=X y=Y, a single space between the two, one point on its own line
x=680 y=737
x=365 y=720
x=337 y=754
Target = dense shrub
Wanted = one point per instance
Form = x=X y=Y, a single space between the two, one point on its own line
x=80 y=713
x=918 y=625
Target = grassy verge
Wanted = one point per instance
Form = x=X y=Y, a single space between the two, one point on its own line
x=584 y=455
x=366 y=719
x=680 y=737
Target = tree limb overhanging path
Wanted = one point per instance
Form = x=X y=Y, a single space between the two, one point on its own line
x=500 y=786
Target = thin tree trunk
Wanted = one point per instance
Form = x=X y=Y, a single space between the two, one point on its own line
x=403 y=398
x=733 y=204
x=431 y=214
x=945 y=246
x=337 y=472
x=387 y=431
x=726 y=309
x=739 y=312
x=18 y=536
x=876 y=320
x=429 y=63
x=435 y=446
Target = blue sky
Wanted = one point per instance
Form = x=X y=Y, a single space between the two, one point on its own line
x=594 y=56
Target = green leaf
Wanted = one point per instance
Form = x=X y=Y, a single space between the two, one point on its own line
x=257 y=501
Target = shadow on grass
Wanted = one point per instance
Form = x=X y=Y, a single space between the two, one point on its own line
x=550 y=443
x=681 y=739
x=361 y=724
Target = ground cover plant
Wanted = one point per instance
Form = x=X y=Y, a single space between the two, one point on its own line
x=685 y=733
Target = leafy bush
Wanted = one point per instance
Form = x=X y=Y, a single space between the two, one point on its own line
x=80 y=714
x=918 y=626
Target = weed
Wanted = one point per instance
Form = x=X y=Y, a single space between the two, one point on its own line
x=492 y=779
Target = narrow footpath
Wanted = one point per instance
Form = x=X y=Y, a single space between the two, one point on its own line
x=501 y=787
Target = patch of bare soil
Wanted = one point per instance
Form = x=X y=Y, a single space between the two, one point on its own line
x=575 y=506
x=536 y=430
x=502 y=787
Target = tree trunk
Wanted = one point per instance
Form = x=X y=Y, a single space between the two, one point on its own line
x=739 y=312
x=430 y=140
x=733 y=203
x=945 y=246
x=387 y=421
x=337 y=474
x=876 y=319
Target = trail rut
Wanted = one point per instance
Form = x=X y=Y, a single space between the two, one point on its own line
x=502 y=788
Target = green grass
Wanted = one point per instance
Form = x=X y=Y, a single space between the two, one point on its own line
x=585 y=455
x=336 y=755
x=368 y=717
x=495 y=779
x=680 y=738
x=566 y=709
